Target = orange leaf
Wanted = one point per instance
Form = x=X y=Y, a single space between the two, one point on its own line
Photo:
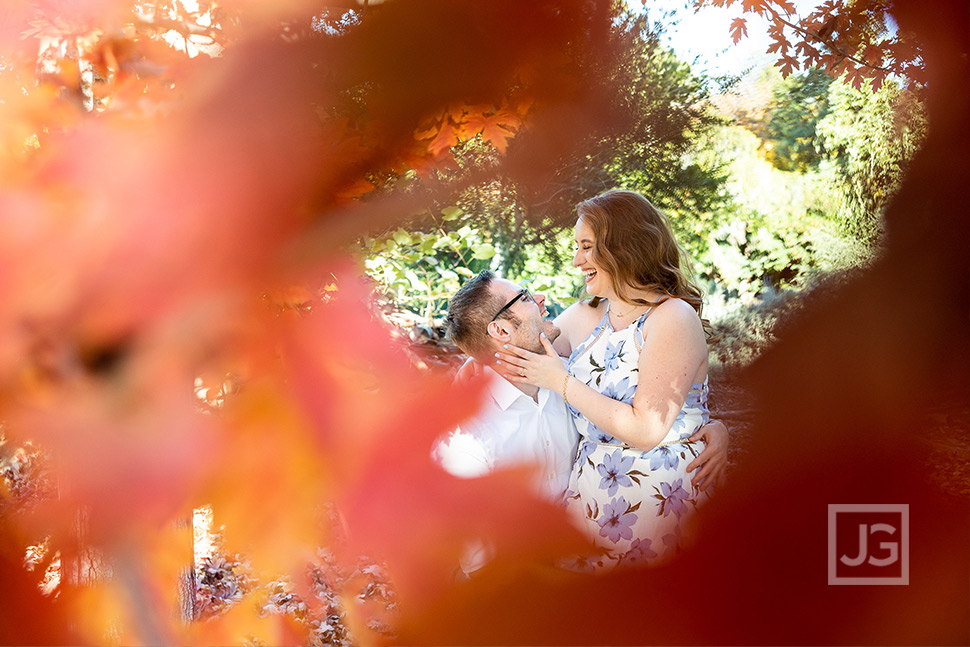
x=466 y=130
x=753 y=6
x=739 y=29
x=457 y=113
x=446 y=139
x=496 y=129
x=355 y=190
x=785 y=5
x=426 y=133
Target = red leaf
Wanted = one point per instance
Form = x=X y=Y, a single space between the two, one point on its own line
x=855 y=78
x=877 y=81
x=739 y=29
x=872 y=55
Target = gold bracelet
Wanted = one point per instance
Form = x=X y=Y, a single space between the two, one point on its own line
x=565 y=383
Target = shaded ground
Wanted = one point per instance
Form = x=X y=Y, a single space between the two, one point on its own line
x=944 y=435
x=944 y=429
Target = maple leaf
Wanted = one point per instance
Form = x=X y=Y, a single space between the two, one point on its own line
x=739 y=29
x=354 y=190
x=780 y=46
x=872 y=55
x=496 y=129
x=786 y=5
x=877 y=80
x=445 y=139
x=754 y=6
x=807 y=51
x=466 y=129
x=787 y=64
x=426 y=132
x=855 y=77
x=457 y=112
x=836 y=65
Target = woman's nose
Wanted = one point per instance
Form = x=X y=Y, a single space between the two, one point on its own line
x=576 y=260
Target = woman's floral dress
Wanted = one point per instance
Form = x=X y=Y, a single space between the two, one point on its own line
x=632 y=503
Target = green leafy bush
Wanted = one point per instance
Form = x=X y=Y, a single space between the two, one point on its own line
x=420 y=270
x=869 y=138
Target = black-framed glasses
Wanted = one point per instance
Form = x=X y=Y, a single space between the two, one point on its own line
x=522 y=294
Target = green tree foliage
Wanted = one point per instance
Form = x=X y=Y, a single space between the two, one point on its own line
x=869 y=138
x=767 y=237
x=421 y=269
x=810 y=173
x=653 y=114
x=789 y=128
x=660 y=109
x=656 y=110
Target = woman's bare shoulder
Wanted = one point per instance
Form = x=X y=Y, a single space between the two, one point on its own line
x=579 y=319
x=674 y=312
x=581 y=311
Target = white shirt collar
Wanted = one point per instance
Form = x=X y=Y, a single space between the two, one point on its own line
x=502 y=391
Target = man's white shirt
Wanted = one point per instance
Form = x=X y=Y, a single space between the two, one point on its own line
x=513 y=429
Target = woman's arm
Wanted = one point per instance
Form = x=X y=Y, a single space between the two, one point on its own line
x=673 y=354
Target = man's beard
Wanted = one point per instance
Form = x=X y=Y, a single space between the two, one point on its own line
x=552 y=333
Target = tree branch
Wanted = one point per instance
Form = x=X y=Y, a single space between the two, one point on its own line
x=811 y=35
x=184 y=28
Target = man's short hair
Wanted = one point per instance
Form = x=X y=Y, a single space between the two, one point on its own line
x=469 y=313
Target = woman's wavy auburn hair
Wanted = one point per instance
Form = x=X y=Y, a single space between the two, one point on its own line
x=636 y=246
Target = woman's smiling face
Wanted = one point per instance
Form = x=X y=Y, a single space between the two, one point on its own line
x=598 y=281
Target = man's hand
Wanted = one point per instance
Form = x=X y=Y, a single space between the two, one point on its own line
x=711 y=464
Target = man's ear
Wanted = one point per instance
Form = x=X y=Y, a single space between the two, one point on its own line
x=501 y=329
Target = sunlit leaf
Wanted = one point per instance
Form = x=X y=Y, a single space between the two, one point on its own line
x=739 y=29
x=450 y=213
x=484 y=251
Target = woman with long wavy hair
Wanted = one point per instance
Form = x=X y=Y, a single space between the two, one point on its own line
x=635 y=381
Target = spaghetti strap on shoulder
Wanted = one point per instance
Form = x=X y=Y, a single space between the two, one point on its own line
x=638 y=333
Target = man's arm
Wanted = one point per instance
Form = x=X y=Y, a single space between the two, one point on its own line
x=711 y=464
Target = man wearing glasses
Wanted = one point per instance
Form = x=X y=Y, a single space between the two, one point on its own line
x=520 y=423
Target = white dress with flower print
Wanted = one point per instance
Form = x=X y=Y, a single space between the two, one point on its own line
x=632 y=503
